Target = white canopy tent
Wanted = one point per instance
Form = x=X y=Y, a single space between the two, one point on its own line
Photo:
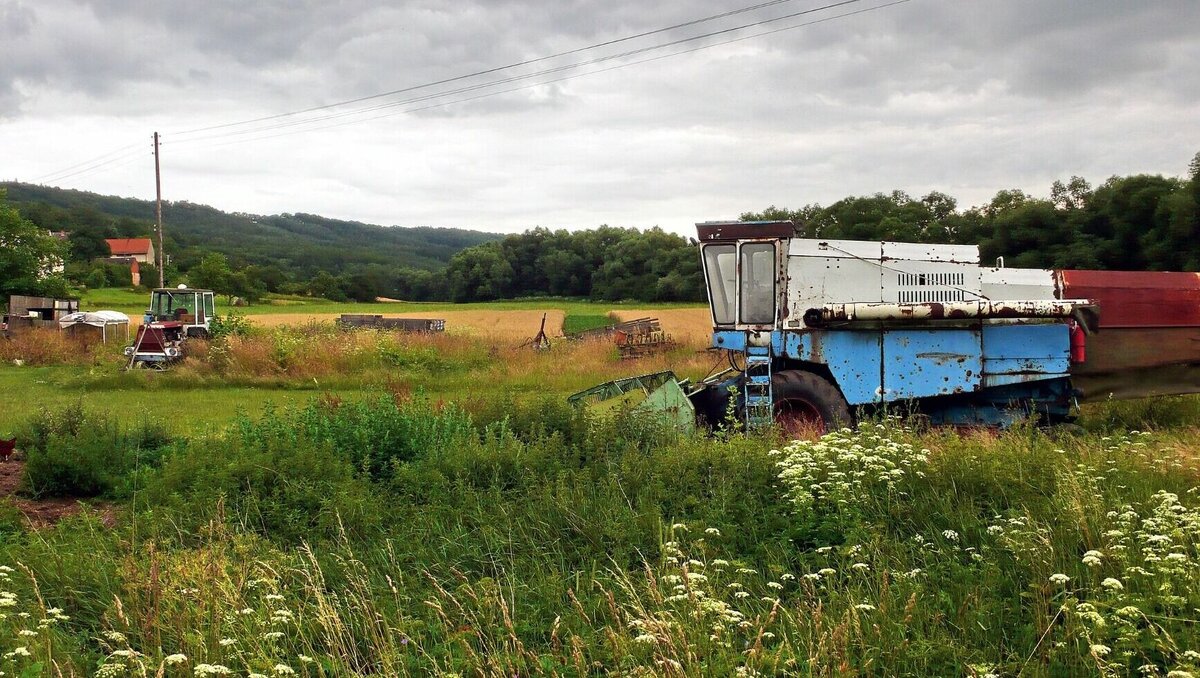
x=107 y=322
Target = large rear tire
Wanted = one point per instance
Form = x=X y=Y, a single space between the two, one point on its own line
x=806 y=403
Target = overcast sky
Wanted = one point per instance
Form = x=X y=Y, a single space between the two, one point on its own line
x=962 y=96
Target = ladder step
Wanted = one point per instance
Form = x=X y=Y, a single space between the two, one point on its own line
x=758 y=399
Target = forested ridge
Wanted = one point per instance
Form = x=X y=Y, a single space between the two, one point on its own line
x=1136 y=222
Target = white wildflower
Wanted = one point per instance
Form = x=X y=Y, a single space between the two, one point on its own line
x=1112 y=584
x=173 y=659
x=1060 y=579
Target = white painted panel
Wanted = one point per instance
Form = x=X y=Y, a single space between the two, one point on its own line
x=1018 y=283
x=807 y=247
x=815 y=281
x=907 y=251
x=919 y=282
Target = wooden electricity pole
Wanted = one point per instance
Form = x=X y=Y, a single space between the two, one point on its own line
x=158 y=210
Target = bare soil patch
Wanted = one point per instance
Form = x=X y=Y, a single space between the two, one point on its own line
x=45 y=512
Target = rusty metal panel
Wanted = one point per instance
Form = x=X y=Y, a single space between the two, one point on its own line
x=1112 y=350
x=923 y=363
x=1137 y=298
x=1142 y=382
x=1014 y=354
x=710 y=231
x=855 y=359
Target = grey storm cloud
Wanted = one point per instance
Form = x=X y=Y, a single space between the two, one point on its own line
x=967 y=96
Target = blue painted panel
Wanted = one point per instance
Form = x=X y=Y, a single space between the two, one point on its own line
x=732 y=340
x=923 y=363
x=854 y=358
x=1020 y=353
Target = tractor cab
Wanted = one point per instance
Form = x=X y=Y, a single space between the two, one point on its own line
x=193 y=309
x=175 y=315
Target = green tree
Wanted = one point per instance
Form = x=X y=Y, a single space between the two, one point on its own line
x=28 y=255
x=212 y=273
x=325 y=285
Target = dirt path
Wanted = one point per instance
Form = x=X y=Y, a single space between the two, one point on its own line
x=44 y=512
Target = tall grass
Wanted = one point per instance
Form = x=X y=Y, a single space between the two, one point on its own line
x=400 y=536
x=40 y=346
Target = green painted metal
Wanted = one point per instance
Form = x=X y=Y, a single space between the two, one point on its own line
x=659 y=395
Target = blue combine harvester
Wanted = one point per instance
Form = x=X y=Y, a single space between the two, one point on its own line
x=820 y=330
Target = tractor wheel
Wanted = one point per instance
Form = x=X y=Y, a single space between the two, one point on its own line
x=806 y=403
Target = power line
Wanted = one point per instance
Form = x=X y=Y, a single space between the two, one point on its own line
x=304 y=125
x=517 y=78
x=92 y=163
x=496 y=69
x=514 y=89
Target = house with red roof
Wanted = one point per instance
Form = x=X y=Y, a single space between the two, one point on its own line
x=138 y=249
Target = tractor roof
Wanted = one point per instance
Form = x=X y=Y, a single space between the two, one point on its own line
x=178 y=290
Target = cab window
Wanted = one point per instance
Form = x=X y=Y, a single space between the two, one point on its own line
x=720 y=269
x=757 y=290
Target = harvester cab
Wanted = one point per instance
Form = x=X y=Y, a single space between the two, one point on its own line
x=817 y=331
x=174 y=316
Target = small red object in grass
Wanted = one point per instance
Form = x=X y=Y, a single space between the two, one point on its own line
x=6 y=448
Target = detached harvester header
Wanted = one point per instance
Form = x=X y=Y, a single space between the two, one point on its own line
x=817 y=329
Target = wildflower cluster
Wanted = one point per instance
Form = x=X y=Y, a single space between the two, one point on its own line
x=253 y=642
x=841 y=467
x=26 y=627
x=1143 y=581
x=697 y=600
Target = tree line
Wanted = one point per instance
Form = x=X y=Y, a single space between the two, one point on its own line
x=1137 y=222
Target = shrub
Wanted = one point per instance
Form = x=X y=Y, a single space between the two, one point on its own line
x=77 y=453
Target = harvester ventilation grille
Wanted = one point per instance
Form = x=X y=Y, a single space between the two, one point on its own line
x=930 y=287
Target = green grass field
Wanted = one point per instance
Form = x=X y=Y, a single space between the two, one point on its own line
x=134 y=304
x=306 y=502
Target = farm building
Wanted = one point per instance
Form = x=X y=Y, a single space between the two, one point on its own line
x=139 y=249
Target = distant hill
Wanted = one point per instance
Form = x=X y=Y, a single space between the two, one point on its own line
x=303 y=243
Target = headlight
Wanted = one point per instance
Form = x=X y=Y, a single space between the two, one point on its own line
x=172 y=352
x=128 y=350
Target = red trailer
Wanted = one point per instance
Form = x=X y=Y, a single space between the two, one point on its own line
x=1149 y=338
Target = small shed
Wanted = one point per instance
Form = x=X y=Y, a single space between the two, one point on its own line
x=96 y=325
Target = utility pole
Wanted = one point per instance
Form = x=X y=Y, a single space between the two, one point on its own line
x=158 y=210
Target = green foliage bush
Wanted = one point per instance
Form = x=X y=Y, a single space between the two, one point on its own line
x=76 y=453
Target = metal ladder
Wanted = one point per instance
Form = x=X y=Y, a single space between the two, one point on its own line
x=759 y=400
